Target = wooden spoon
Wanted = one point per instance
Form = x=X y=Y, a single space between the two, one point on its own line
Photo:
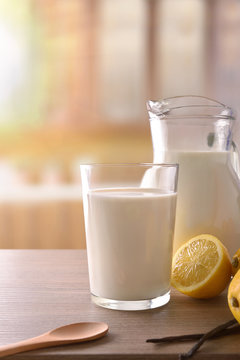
x=72 y=333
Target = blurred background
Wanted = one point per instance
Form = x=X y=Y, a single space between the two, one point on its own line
x=74 y=79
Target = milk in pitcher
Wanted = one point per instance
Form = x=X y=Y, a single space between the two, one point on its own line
x=208 y=196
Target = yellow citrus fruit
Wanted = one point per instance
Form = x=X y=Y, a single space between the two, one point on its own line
x=236 y=262
x=234 y=296
x=201 y=267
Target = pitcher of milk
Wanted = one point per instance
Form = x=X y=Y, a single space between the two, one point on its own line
x=196 y=133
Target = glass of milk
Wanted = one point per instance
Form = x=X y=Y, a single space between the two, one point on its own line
x=129 y=212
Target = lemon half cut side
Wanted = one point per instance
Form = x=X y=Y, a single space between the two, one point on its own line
x=201 y=267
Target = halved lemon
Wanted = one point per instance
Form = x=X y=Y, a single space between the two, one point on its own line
x=201 y=267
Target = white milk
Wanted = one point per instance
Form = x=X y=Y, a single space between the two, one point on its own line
x=129 y=242
x=208 y=197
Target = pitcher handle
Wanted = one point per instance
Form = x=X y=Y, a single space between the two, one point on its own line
x=235 y=158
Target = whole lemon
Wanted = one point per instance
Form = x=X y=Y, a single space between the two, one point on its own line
x=236 y=262
x=234 y=296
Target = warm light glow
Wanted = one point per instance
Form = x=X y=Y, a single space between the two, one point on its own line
x=13 y=62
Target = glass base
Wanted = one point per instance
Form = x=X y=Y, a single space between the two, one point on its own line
x=131 y=305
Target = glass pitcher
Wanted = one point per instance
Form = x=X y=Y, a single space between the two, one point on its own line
x=196 y=133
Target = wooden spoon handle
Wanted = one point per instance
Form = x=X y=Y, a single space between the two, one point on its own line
x=26 y=345
x=52 y=339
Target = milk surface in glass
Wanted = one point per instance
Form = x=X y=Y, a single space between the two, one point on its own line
x=208 y=196
x=129 y=242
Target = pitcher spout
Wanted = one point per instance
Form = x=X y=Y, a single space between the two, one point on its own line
x=188 y=105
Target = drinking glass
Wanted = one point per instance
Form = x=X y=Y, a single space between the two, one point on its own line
x=129 y=212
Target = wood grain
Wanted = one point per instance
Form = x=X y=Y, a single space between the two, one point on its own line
x=43 y=289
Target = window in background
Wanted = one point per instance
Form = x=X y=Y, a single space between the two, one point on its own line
x=122 y=60
x=67 y=44
x=180 y=47
x=22 y=85
x=224 y=51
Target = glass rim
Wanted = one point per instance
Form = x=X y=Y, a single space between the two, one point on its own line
x=144 y=164
x=192 y=96
x=185 y=117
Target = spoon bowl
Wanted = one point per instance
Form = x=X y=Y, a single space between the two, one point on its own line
x=83 y=331
x=68 y=334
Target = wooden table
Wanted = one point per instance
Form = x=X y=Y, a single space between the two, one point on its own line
x=43 y=289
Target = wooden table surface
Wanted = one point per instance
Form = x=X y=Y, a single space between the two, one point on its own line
x=43 y=289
